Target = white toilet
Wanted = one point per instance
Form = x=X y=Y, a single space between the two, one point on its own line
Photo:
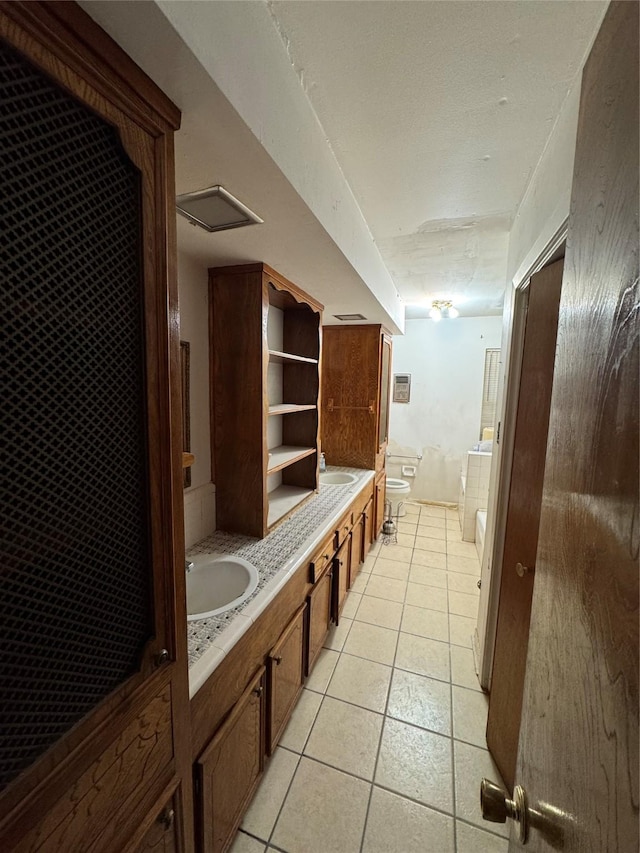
x=397 y=492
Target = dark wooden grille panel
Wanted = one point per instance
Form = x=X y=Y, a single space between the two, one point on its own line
x=75 y=576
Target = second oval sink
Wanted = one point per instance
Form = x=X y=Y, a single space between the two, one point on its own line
x=217 y=583
x=337 y=478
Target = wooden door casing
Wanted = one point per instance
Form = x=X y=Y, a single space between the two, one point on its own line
x=523 y=518
x=94 y=784
x=578 y=749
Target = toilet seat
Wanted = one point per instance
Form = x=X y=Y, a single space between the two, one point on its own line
x=397 y=490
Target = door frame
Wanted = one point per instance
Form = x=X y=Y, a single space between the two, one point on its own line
x=515 y=314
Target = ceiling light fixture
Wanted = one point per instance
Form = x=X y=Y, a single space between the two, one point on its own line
x=443 y=308
x=215 y=209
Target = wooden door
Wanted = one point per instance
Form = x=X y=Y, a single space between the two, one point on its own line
x=368 y=528
x=95 y=717
x=523 y=518
x=341 y=577
x=578 y=749
x=286 y=673
x=230 y=768
x=357 y=548
x=319 y=608
x=380 y=492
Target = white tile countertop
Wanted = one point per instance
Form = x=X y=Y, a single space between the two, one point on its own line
x=275 y=557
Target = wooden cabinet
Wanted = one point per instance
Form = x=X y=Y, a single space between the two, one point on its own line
x=286 y=674
x=95 y=715
x=379 y=499
x=230 y=768
x=356 y=365
x=341 y=568
x=319 y=617
x=362 y=535
x=264 y=397
x=163 y=836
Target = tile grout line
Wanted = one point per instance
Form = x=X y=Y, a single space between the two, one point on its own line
x=385 y=714
x=384 y=723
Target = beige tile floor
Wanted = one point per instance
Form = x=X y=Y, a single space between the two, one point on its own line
x=386 y=748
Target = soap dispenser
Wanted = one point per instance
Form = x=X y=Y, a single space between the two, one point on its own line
x=323 y=463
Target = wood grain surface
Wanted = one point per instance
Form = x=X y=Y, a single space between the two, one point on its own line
x=578 y=752
x=523 y=519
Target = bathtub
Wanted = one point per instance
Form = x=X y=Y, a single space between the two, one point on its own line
x=481 y=525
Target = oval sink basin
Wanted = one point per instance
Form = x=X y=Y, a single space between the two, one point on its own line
x=337 y=478
x=218 y=583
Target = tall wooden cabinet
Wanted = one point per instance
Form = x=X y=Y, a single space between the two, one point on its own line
x=94 y=718
x=356 y=366
x=356 y=373
x=265 y=335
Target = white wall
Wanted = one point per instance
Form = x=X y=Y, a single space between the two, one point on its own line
x=199 y=502
x=442 y=421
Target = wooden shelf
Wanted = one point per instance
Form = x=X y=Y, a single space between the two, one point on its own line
x=286 y=408
x=286 y=357
x=283 y=500
x=286 y=455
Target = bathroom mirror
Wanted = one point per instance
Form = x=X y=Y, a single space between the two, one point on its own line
x=186 y=407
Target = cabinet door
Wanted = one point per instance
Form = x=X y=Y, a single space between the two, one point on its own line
x=357 y=548
x=285 y=663
x=368 y=528
x=319 y=603
x=380 y=492
x=341 y=577
x=95 y=717
x=384 y=392
x=162 y=836
x=229 y=769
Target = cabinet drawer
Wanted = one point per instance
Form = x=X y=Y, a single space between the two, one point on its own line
x=322 y=559
x=285 y=662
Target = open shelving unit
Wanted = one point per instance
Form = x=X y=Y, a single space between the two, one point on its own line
x=265 y=400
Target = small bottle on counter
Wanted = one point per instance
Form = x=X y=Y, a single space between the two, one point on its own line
x=323 y=462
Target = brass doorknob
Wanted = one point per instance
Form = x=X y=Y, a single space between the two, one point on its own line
x=522 y=570
x=497 y=807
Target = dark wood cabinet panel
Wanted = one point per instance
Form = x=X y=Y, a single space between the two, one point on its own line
x=341 y=577
x=368 y=514
x=112 y=756
x=163 y=835
x=379 y=497
x=286 y=674
x=356 y=363
x=230 y=768
x=319 y=618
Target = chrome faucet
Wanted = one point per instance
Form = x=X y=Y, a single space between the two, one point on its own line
x=188 y=565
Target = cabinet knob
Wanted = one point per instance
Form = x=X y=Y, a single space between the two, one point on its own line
x=258 y=691
x=166 y=818
x=522 y=570
x=162 y=657
x=278 y=660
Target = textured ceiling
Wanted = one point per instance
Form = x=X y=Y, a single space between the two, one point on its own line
x=438 y=113
x=426 y=118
